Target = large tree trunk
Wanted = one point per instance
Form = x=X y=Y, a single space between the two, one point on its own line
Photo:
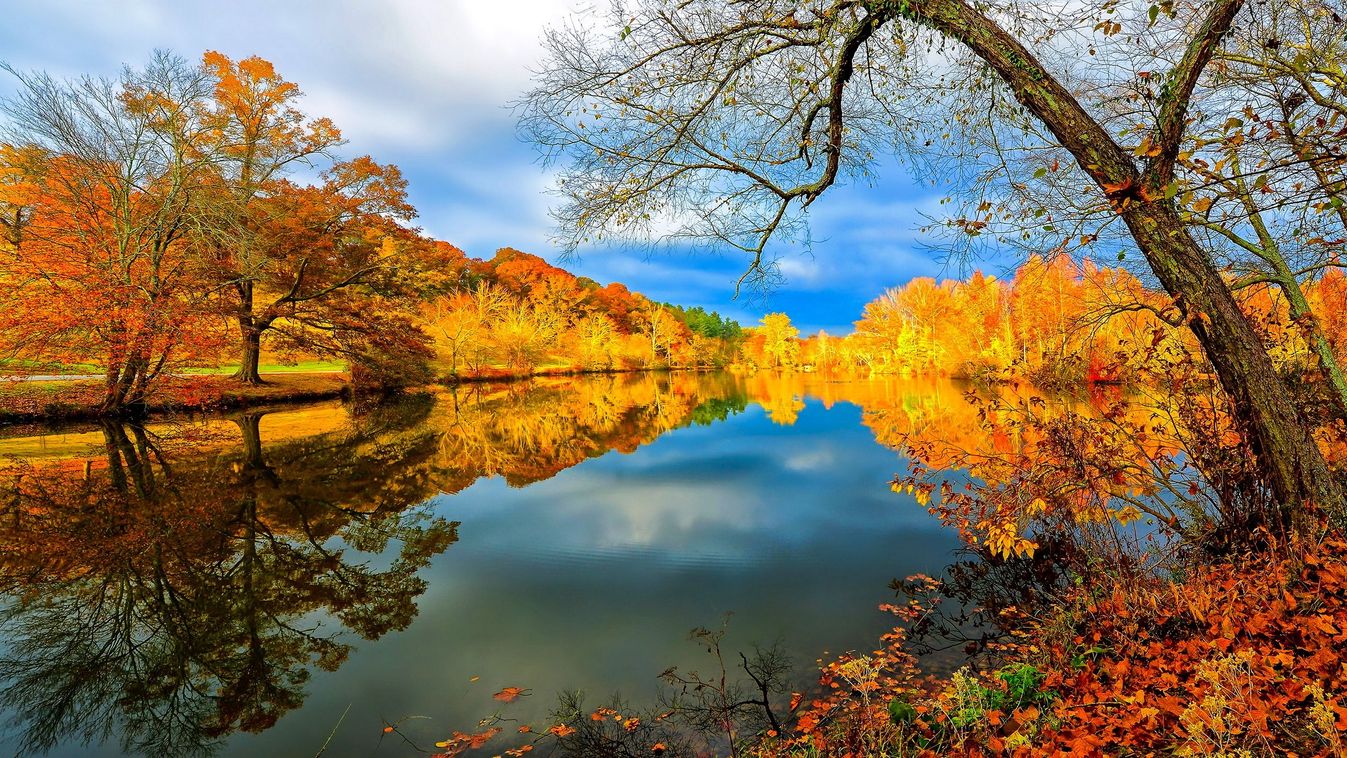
x=137 y=393
x=251 y=357
x=111 y=383
x=119 y=381
x=250 y=337
x=1288 y=457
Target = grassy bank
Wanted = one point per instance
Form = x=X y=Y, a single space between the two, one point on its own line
x=21 y=368
x=79 y=399
x=60 y=400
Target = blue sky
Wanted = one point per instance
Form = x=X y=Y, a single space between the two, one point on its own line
x=426 y=84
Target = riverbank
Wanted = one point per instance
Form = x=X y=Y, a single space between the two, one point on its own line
x=78 y=399
x=506 y=375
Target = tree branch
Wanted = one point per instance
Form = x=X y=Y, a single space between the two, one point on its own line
x=1178 y=90
x=1033 y=85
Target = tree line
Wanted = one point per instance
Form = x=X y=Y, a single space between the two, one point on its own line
x=516 y=313
x=1055 y=322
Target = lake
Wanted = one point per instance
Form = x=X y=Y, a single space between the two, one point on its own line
x=257 y=583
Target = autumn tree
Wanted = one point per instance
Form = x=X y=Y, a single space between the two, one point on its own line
x=779 y=339
x=523 y=335
x=817 y=350
x=723 y=121
x=1045 y=303
x=261 y=138
x=291 y=255
x=321 y=255
x=982 y=317
x=885 y=334
x=660 y=328
x=135 y=207
x=102 y=261
x=460 y=323
x=596 y=337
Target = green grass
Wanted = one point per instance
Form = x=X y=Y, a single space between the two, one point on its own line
x=23 y=367
x=15 y=388
x=20 y=366
x=302 y=367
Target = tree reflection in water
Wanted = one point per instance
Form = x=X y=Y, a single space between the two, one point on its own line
x=165 y=600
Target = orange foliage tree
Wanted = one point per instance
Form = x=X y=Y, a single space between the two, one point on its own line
x=102 y=261
x=292 y=257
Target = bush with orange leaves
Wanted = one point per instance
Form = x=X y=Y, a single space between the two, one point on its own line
x=1246 y=657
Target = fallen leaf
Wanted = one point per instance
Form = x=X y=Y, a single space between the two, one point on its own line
x=510 y=694
x=561 y=730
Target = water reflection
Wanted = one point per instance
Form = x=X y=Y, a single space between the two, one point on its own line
x=528 y=432
x=164 y=600
x=173 y=587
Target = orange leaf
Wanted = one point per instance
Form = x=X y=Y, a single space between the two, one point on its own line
x=510 y=694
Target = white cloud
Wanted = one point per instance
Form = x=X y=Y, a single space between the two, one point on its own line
x=810 y=461
x=410 y=74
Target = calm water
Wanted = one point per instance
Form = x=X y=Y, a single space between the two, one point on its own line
x=235 y=586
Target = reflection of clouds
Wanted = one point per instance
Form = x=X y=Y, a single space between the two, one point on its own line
x=645 y=511
x=811 y=461
x=700 y=497
x=674 y=517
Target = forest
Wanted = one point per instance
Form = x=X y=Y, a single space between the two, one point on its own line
x=1054 y=323
x=1144 y=323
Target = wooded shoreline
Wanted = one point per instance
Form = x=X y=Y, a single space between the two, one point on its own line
x=77 y=400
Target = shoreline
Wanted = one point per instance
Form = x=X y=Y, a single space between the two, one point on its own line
x=55 y=401
x=75 y=398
